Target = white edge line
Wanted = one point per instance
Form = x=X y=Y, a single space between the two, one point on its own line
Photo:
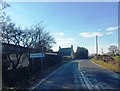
x=46 y=78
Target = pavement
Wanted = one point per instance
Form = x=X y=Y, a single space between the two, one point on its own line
x=79 y=75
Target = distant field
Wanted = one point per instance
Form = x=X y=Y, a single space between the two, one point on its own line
x=117 y=58
x=109 y=66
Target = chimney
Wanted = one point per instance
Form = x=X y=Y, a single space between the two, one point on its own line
x=72 y=46
x=59 y=47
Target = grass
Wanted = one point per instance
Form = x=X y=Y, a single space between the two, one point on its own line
x=117 y=58
x=109 y=66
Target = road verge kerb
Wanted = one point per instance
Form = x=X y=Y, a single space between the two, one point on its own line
x=99 y=65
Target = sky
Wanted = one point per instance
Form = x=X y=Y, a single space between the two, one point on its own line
x=71 y=23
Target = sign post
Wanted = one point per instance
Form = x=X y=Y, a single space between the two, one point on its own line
x=41 y=64
x=37 y=55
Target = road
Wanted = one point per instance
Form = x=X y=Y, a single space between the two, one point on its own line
x=80 y=74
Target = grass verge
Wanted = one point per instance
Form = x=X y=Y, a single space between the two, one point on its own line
x=117 y=58
x=109 y=66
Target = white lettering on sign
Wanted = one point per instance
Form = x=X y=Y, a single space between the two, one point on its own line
x=37 y=55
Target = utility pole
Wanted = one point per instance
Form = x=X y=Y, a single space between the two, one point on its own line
x=41 y=49
x=96 y=45
x=102 y=51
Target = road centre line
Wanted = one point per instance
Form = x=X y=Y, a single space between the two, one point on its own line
x=46 y=78
x=87 y=82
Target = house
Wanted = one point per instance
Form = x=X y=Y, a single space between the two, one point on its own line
x=66 y=53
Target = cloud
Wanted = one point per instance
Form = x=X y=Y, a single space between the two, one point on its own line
x=63 y=41
x=109 y=33
x=88 y=34
x=110 y=30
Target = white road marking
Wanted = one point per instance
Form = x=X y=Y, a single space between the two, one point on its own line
x=87 y=82
x=46 y=78
x=97 y=87
x=78 y=65
x=83 y=71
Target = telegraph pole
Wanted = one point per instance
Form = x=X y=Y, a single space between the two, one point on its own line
x=102 y=51
x=96 y=45
x=41 y=49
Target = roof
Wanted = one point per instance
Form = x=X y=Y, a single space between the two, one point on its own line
x=51 y=53
x=65 y=51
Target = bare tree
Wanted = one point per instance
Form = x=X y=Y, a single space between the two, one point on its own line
x=113 y=50
x=44 y=40
x=10 y=34
x=3 y=16
x=34 y=37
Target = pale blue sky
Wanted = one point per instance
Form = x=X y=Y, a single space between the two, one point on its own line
x=71 y=23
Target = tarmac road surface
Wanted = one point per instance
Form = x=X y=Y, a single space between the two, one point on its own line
x=80 y=75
